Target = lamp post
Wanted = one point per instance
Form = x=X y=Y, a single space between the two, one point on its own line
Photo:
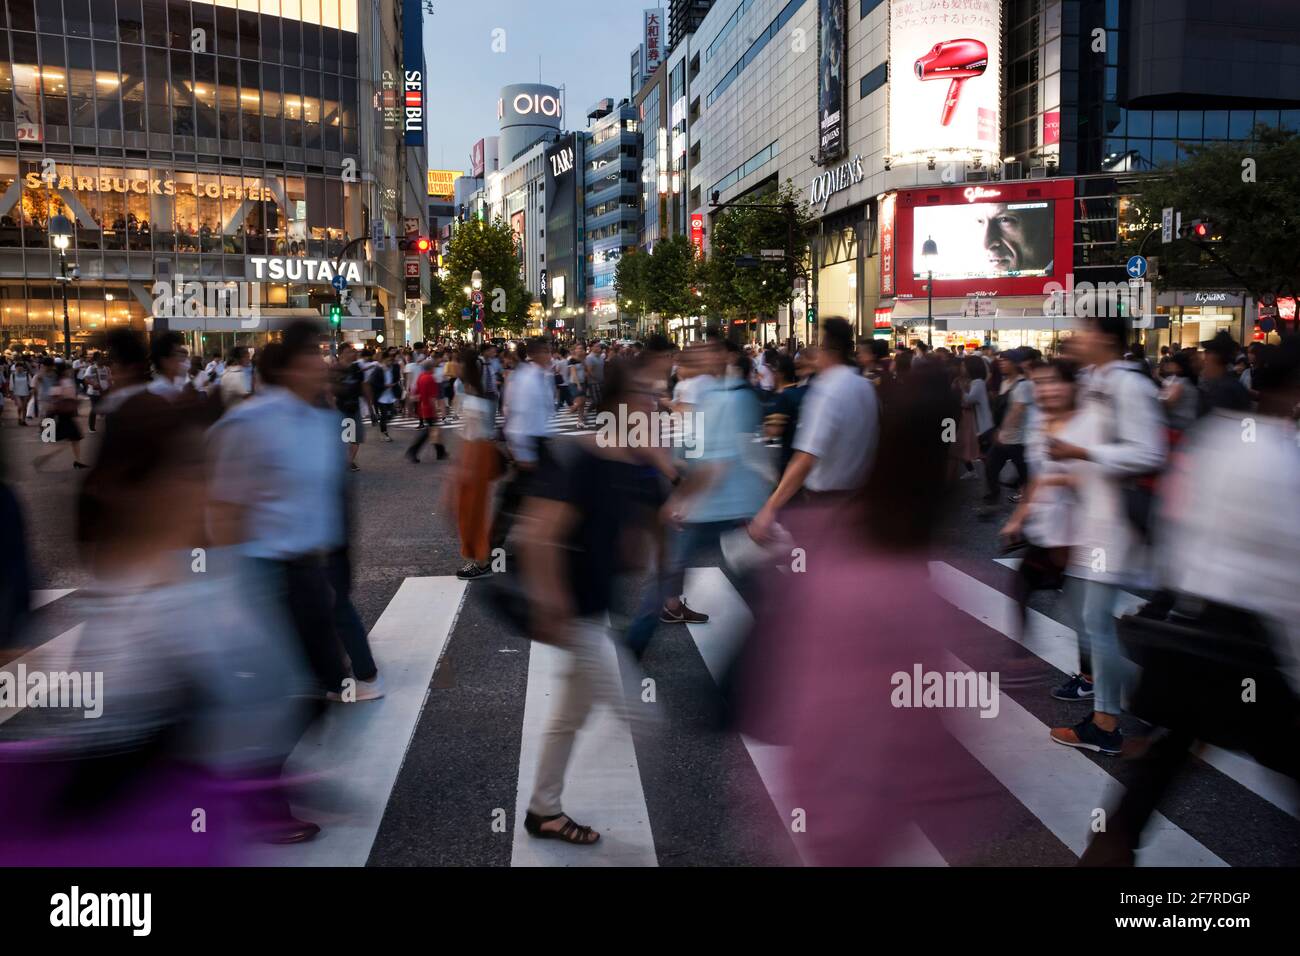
x=929 y=250
x=61 y=236
x=476 y=283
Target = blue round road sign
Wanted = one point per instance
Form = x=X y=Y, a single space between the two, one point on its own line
x=1137 y=267
x=339 y=283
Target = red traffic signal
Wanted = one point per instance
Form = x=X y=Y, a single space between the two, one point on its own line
x=423 y=245
x=1199 y=229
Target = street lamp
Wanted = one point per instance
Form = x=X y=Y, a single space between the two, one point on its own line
x=476 y=280
x=61 y=236
x=929 y=250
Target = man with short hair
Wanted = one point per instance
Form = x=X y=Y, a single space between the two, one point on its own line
x=839 y=426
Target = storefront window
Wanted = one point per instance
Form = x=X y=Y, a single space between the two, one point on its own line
x=187 y=214
x=296 y=216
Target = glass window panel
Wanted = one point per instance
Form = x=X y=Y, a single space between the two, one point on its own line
x=155 y=22
x=1291 y=119
x=270 y=43
x=1163 y=152
x=310 y=46
x=1139 y=122
x=183 y=92
x=130 y=22
x=6 y=86
x=22 y=15
x=1166 y=124
x=1189 y=124
x=76 y=16
x=1266 y=117
x=159 y=103
x=232 y=215
x=249 y=101
x=186 y=210
x=271 y=105
x=132 y=73
x=1240 y=124
x=248 y=38
x=228 y=97
x=205 y=94
x=291 y=41
x=227 y=32
x=49 y=17
x=1216 y=124
x=54 y=81
x=103 y=13
x=178 y=14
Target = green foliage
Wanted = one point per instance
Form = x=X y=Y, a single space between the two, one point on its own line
x=669 y=276
x=490 y=248
x=1253 y=238
x=745 y=229
x=632 y=283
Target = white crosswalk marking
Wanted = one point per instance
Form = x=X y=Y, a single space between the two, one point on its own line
x=42 y=598
x=602 y=787
x=55 y=654
x=718 y=640
x=1057 y=644
x=360 y=747
x=1059 y=785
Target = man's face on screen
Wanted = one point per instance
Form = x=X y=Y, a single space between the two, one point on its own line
x=1018 y=240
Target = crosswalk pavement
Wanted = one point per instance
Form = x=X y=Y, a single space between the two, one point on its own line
x=358 y=759
x=565 y=422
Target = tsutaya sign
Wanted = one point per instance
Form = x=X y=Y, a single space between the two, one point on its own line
x=294 y=269
x=833 y=180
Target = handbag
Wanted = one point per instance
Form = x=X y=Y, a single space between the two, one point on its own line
x=1195 y=667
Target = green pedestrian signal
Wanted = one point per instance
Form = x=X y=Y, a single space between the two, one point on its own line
x=812 y=314
x=336 y=315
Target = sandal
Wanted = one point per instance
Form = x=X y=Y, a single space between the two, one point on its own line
x=569 y=833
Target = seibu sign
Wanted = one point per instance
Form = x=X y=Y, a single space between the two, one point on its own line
x=832 y=181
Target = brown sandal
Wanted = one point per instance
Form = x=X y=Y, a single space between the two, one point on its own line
x=569 y=833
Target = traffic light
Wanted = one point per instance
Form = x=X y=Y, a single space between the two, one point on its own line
x=1198 y=229
x=423 y=245
x=336 y=315
x=812 y=314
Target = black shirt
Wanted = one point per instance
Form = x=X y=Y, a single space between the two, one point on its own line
x=602 y=491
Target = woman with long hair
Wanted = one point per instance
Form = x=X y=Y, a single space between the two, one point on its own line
x=478 y=465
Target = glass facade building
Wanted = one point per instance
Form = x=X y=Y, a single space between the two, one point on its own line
x=183 y=138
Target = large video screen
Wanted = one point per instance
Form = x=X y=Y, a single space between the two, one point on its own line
x=986 y=240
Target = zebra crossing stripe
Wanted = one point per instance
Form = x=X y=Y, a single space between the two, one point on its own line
x=717 y=641
x=361 y=746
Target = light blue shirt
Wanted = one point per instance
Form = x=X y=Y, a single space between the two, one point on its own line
x=284 y=462
x=727 y=419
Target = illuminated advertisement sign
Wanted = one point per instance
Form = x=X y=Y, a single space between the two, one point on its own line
x=1007 y=240
x=697 y=233
x=944 y=74
x=887 y=244
x=653 y=38
x=476 y=158
x=442 y=182
x=413 y=72
x=830 y=78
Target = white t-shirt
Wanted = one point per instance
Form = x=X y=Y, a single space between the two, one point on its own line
x=839 y=423
x=412 y=372
x=689 y=390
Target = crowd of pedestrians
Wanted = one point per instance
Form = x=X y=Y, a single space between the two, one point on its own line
x=1102 y=471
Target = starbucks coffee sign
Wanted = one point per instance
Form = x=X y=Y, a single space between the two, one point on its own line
x=833 y=180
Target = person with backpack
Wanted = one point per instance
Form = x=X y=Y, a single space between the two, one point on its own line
x=1123 y=443
x=385 y=380
x=350 y=387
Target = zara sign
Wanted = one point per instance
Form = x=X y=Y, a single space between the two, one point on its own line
x=562 y=162
x=833 y=180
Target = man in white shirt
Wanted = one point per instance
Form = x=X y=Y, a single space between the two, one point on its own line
x=167 y=352
x=530 y=408
x=839 y=426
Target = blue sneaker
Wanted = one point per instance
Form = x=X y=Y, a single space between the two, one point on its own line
x=1076 y=688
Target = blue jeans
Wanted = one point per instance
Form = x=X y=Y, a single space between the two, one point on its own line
x=1111 y=670
x=683 y=545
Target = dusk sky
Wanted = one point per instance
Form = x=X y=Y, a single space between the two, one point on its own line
x=584 y=45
